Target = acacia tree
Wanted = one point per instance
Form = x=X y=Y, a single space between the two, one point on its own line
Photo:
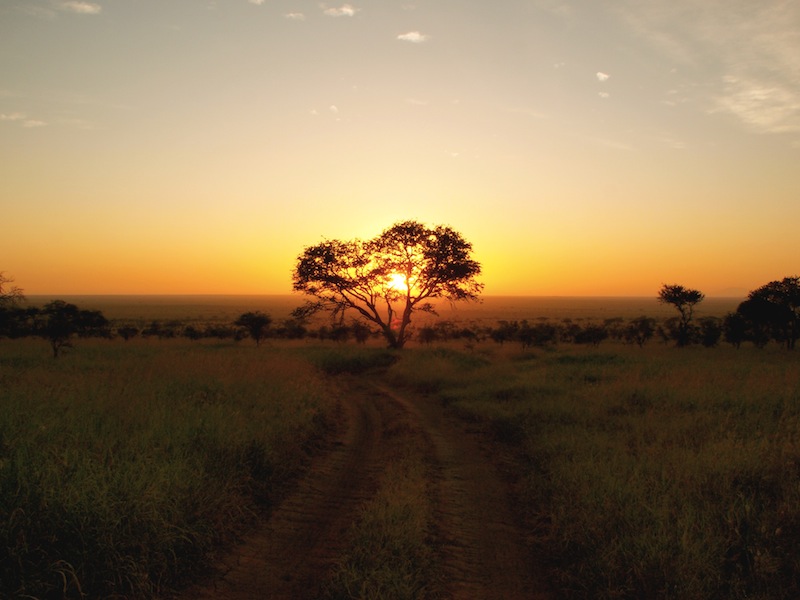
x=256 y=324
x=386 y=279
x=683 y=299
x=9 y=296
x=776 y=305
x=60 y=321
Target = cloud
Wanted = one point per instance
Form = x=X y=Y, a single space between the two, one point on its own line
x=334 y=109
x=83 y=8
x=602 y=76
x=415 y=37
x=12 y=117
x=766 y=106
x=256 y=2
x=295 y=16
x=743 y=62
x=21 y=119
x=604 y=95
x=346 y=10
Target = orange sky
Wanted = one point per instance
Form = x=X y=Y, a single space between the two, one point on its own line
x=584 y=148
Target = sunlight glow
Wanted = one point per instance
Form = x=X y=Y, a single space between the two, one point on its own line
x=397 y=282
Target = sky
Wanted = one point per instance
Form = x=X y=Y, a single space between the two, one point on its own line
x=583 y=147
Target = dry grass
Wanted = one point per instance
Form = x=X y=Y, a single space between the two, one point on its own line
x=124 y=464
x=655 y=473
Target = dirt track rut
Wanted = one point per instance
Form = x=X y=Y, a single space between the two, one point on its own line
x=481 y=551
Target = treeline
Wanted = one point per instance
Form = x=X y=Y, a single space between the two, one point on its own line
x=770 y=313
x=61 y=323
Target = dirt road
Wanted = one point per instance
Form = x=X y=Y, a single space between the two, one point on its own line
x=479 y=548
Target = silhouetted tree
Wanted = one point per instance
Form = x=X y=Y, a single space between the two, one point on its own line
x=427 y=335
x=9 y=295
x=684 y=300
x=292 y=329
x=542 y=334
x=777 y=305
x=734 y=328
x=256 y=324
x=340 y=333
x=591 y=334
x=191 y=332
x=161 y=330
x=360 y=331
x=59 y=321
x=569 y=330
x=386 y=279
x=505 y=331
x=127 y=332
x=639 y=331
x=17 y=322
x=710 y=331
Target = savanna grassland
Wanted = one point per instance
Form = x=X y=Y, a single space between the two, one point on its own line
x=642 y=473
x=652 y=472
x=124 y=465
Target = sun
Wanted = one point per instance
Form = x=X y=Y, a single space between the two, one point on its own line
x=397 y=282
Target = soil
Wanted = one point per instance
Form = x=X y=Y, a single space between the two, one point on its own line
x=480 y=547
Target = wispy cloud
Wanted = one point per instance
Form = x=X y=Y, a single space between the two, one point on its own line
x=415 y=37
x=83 y=8
x=21 y=119
x=256 y=2
x=602 y=76
x=346 y=10
x=750 y=54
x=295 y=16
x=763 y=104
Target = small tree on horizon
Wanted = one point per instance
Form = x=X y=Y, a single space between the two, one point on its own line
x=256 y=324
x=9 y=296
x=388 y=278
x=775 y=306
x=59 y=322
x=684 y=300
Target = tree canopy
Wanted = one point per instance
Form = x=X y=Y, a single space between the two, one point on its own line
x=386 y=279
x=684 y=300
x=9 y=296
x=256 y=324
x=775 y=306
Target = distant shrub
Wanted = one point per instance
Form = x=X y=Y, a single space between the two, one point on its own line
x=351 y=360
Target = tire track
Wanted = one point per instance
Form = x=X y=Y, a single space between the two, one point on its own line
x=289 y=555
x=481 y=546
x=481 y=549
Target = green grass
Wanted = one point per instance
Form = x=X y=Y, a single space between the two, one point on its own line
x=388 y=555
x=654 y=473
x=641 y=473
x=342 y=359
x=122 y=465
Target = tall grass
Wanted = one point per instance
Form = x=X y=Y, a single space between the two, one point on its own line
x=663 y=473
x=123 y=465
x=388 y=554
